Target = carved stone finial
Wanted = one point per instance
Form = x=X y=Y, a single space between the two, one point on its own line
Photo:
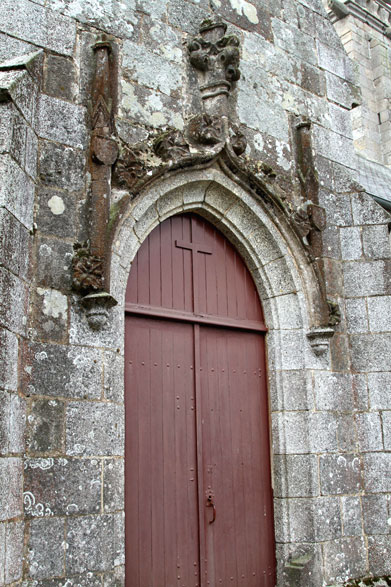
x=216 y=55
x=97 y=306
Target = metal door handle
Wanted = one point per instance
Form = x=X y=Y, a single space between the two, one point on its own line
x=210 y=504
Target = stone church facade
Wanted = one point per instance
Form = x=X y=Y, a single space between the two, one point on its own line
x=117 y=116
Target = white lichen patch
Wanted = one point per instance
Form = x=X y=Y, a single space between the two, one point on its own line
x=245 y=8
x=55 y=304
x=56 y=205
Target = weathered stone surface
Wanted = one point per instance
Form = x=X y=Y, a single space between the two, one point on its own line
x=60 y=78
x=113 y=485
x=99 y=555
x=94 y=429
x=346 y=433
x=351 y=516
x=290 y=390
x=45 y=430
x=379 y=385
x=45 y=28
x=61 y=486
x=366 y=278
x=370 y=352
x=46 y=548
x=301 y=432
x=376 y=241
x=61 y=121
x=379 y=548
x=16 y=191
x=351 y=245
x=333 y=391
x=185 y=16
x=116 y=579
x=54 y=259
x=367 y=211
x=11 y=47
x=50 y=315
x=8 y=360
x=14 y=534
x=296 y=476
x=344 y=559
x=341 y=91
x=12 y=423
x=114 y=377
x=340 y=474
x=356 y=315
x=10 y=488
x=369 y=432
x=55 y=370
x=61 y=166
x=293 y=41
x=150 y=70
x=307 y=519
x=15 y=242
x=376 y=514
x=379 y=314
x=377 y=472
x=22 y=90
x=57 y=212
x=13 y=302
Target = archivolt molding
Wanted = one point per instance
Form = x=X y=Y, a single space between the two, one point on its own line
x=261 y=232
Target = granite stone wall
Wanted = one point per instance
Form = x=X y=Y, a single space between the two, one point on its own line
x=61 y=382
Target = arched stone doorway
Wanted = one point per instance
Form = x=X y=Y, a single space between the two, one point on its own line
x=197 y=459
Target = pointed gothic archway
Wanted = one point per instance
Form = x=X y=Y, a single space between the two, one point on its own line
x=198 y=484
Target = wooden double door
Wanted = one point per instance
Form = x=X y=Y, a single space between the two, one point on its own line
x=197 y=473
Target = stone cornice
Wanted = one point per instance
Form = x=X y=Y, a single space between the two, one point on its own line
x=375 y=13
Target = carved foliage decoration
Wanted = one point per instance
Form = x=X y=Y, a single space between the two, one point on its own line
x=88 y=270
x=216 y=54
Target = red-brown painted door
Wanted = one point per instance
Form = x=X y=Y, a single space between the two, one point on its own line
x=197 y=473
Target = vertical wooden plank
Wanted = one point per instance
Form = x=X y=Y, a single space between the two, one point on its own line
x=155 y=267
x=166 y=262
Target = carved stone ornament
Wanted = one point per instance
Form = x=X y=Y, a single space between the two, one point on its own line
x=88 y=271
x=238 y=142
x=206 y=130
x=171 y=146
x=308 y=218
x=216 y=55
x=130 y=167
x=97 y=307
x=334 y=313
x=320 y=340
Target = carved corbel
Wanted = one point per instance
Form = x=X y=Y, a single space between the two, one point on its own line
x=319 y=339
x=91 y=264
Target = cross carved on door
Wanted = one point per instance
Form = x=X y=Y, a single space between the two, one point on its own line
x=194 y=248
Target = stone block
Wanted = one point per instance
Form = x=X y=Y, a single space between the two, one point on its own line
x=30 y=22
x=335 y=61
x=59 y=486
x=247 y=16
x=14 y=535
x=85 y=434
x=61 y=166
x=290 y=390
x=2 y=552
x=114 y=377
x=46 y=548
x=369 y=431
x=60 y=77
x=45 y=428
x=113 y=485
x=12 y=423
x=340 y=120
x=333 y=146
x=376 y=241
x=185 y=16
x=356 y=315
x=50 y=309
x=351 y=246
x=16 y=191
x=11 y=474
x=337 y=206
x=109 y=337
x=62 y=122
x=333 y=391
x=366 y=278
x=60 y=371
x=84 y=580
x=346 y=432
x=360 y=391
x=370 y=352
x=301 y=432
x=379 y=385
x=294 y=42
x=285 y=349
x=56 y=213
x=295 y=476
x=351 y=516
x=261 y=114
x=341 y=91
x=339 y=351
x=151 y=70
x=344 y=559
x=13 y=302
x=367 y=211
x=54 y=263
x=323 y=432
x=307 y=519
x=379 y=314
x=149 y=107
x=376 y=514
x=299 y=564
x=386 y=421
x=162 y=40
x=379 y=555
x=21 y=90
x=31 y=159
x=98 y=554
x=117 y=18
x=8 y=360
x=15 y=243
x=115 y=579
x=11 y=47
x=340 y=474
x=13 y=132
x=377 y=472
x=264 y=244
